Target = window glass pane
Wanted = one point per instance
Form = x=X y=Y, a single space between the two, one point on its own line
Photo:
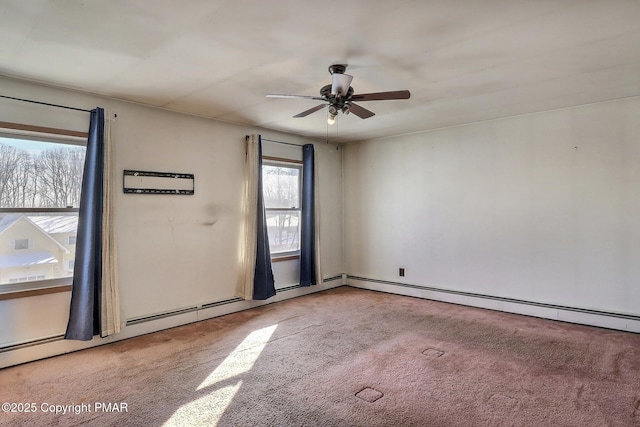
x=284 y=231
x=45 y=254
x=35 y=174
x=281 y=186
x=21 y=244
x=37 y=245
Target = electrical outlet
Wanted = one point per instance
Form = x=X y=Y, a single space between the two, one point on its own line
x=401 y=272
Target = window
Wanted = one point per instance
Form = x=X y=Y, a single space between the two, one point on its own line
x=281 y=184
x=20 y=244
x=40 y=183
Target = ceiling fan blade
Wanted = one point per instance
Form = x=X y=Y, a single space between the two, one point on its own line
x=363 y=113
x=341 y=84
x=283 y=96
x=382 y=96
x=310 y=110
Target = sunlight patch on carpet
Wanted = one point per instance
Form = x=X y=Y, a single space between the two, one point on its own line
x=242 y=358
x=369 y=394
x=206 y=410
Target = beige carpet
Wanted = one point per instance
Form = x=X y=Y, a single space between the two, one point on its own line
x=344 y=357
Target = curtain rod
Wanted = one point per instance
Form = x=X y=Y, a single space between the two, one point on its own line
x=277 y=142
x=44 y=103
x=280 y=142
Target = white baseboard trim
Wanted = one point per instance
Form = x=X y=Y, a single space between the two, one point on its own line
x=618 y=321
x=55 y=346
x=221 y=310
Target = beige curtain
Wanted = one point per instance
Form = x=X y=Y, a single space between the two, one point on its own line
x=249 y=226
x=110 y=322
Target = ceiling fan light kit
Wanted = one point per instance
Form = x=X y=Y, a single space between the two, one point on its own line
x=339 y=96
x=331 y=119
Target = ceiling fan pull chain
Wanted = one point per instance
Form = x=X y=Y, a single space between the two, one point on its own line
x=327 y=124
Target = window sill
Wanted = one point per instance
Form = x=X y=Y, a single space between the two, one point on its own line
x=284 y=258
x=31 y=289
x=33 y=292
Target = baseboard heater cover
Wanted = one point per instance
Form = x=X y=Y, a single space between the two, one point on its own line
x=332 y=278
x=218 y=303
x=325 y=280
x=144 y=319
x=502 y=299
x=31 y=343
x=287 y=288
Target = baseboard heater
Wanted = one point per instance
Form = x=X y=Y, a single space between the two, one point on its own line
x=503 y=299
x=332 y=278
x=287 y=288
x=292 y=287
x=152 y=317
x=32 y=343
x=144 y=319
x=216 y=304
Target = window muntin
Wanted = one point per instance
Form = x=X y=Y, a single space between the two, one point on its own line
x=281 y=186
x=40 y=182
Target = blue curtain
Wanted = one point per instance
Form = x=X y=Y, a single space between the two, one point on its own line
x=84 y=314
x=307 y=220
x=263 y=283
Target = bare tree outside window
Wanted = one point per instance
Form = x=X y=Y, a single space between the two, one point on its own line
x=10 y=161
x=51 y=178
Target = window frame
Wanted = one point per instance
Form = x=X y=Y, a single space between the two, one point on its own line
x=51 y=135
x=293 y=164
x=15 y=244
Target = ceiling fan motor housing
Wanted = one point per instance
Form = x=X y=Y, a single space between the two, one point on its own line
x=337 y=68
x=337 y=100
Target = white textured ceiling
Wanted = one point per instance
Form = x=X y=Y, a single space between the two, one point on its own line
x=463 y=61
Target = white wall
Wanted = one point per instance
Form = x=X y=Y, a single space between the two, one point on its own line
x=174 y=251
x=541 y=208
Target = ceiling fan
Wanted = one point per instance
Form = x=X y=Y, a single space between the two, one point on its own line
x=339 y=96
